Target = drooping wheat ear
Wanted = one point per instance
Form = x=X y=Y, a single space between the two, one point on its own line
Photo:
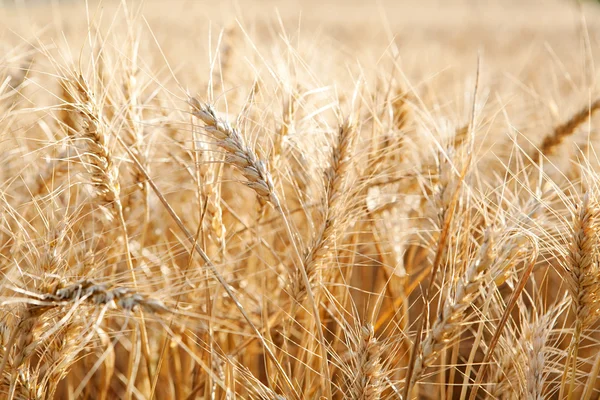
x=562 y=131
x=99 y=294
x=26 y=340
x=367 y=380
x=238 y=153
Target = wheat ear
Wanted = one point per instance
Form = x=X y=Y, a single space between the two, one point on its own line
x=446 y=327
x=582 y=268
x=562 y=131
x=237 y=152
x=367 y=382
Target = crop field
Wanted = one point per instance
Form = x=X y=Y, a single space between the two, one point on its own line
x=263 y=199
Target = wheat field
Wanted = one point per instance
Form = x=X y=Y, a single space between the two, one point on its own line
x=299 y=200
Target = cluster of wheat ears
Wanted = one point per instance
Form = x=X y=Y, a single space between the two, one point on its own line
x=282 y=219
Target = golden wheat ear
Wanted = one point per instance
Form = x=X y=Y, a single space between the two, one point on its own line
x=238 y=154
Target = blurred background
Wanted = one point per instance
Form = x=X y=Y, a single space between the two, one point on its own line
x=433 y=31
